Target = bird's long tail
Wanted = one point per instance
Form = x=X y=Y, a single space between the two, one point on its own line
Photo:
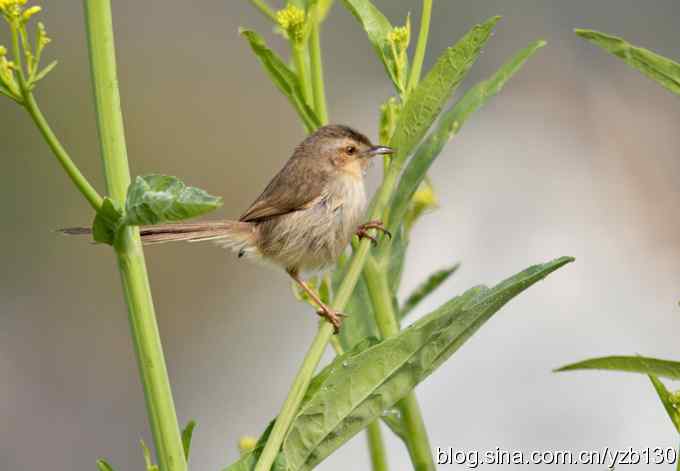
x=233 y=234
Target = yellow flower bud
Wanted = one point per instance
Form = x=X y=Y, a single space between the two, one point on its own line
x=3 y=51
x=246 y=444
x=29 y=12
x=292 y=20
x=399 y=36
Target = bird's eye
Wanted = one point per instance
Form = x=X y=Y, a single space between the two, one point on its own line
x=351 y=150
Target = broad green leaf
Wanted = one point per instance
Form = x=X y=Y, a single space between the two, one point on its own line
x=631 y=364
x=152 y=199
x=427 y=100
x=362 y=386
x=667 y=401
x=187 y=434
x=150 y=466
x=655 y=66
x=106 y=222
x=103 y=465
x=377 y=26
x=433 y=282
x=283 y=77
x=449 y=125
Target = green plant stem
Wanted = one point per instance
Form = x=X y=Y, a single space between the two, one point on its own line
x=301 y=61
x=60 y=153
x=323 y=335
x=376 y=447
x=416 y=437
x=421 y=47
x=295 y=395
x=128 y=247
x=265 y=9
x=28 y=101
x=317 y=71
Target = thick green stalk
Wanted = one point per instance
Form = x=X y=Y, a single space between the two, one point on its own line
x=301 y=61
x=323 y=335
x=317 y=70
x=128 y=247
x=265 y=9
x=416 y=436
x=376 y=447
x=28 y=101
x=421 y=47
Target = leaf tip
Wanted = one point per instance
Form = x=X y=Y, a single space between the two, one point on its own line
x=585 y=33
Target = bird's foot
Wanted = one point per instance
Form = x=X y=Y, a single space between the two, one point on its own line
x=332 y=316
x=362 y=230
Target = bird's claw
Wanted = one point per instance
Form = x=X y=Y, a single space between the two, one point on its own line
x=362 y=230
x=332 y=316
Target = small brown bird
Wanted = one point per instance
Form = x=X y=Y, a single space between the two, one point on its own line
x=305 y=217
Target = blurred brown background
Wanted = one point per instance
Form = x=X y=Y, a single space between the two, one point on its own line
x=577 y=156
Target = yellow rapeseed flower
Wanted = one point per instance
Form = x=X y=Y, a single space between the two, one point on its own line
x=292 y=20
x=29 y=12
x=5 y=5
x=399 y=36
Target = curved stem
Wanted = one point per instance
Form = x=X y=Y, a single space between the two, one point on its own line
x=28 y=102
x=60 y=153
x=419 y=55
x=128 y=247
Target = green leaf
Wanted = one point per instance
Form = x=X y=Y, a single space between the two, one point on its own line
x=103 y=465
x=433 y=282
x=397 y=254
x=283 y=77
x=150 y=466
x=667 y=400
x=449 y=125
x=655 y=66
x=377 y=26
x=631 y=364
x=187 y=434
x=152 y=199
x=43 y=73
x=361 y=386
x=427 y=100
x=107 y=222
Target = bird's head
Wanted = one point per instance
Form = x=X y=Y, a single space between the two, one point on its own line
x=341 y=149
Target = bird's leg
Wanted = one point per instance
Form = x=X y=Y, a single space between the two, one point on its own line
x=328 y=313
x=362 y=230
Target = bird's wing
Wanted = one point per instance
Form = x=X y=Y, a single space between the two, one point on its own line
x=295 y=187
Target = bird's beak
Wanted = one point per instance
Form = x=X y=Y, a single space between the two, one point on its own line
x=378 y=150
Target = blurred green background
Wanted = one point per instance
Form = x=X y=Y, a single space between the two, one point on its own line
x=578 y=156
